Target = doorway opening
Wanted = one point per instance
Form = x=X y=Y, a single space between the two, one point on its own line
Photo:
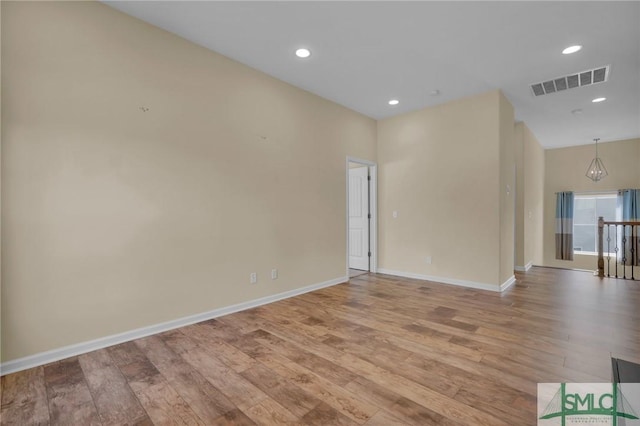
x=361 y=217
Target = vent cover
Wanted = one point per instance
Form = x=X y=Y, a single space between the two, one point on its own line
x=584 y=78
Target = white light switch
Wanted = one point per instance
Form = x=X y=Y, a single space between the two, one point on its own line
x=395 y=214
x=253 y=278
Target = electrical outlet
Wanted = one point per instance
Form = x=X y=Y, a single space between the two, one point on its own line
x=253 y=278
x=428 y=260
x=274 y=274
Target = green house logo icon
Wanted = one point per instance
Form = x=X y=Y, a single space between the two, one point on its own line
x=610 y=404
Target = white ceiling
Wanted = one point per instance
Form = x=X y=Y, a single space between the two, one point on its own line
x=365 y=53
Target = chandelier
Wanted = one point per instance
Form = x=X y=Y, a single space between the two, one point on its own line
x=596 y=171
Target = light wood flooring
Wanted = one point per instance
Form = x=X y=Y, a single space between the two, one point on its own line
x=378 y=350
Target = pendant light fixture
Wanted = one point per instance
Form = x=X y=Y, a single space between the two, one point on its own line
x=596 y=171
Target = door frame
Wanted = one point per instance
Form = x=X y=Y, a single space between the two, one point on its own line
x=373 y=209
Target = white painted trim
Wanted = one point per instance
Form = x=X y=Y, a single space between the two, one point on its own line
x=373 y=201
x=524 y=268
x=444 y=280
x=103 y=342
x=508 y=283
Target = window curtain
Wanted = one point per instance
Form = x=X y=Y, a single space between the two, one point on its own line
x=629 y=206
x=564 y=225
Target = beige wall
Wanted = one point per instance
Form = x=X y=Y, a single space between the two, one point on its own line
x=534 y=172
x=518 y=139
x=507 y=188
x=440 y=169
x=529 y=197
x=116 y=218
x=565 y=171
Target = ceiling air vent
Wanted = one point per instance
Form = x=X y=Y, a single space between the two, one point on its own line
x=584 y=78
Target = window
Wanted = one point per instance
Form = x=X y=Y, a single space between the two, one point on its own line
x=586 y=210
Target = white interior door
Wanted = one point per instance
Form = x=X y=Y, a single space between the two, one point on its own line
x=359 y=218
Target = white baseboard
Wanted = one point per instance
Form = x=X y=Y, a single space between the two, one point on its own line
x=103 y=342
x=508 y=283
x=452 y=281
x=524 y=268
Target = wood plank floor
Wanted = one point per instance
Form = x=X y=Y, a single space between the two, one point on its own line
x=378 y=350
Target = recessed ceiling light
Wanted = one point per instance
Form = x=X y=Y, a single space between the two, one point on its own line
x=596 y=100
x=303 y=53
x=394 y=102
x=571 y=49
x=435 y=92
